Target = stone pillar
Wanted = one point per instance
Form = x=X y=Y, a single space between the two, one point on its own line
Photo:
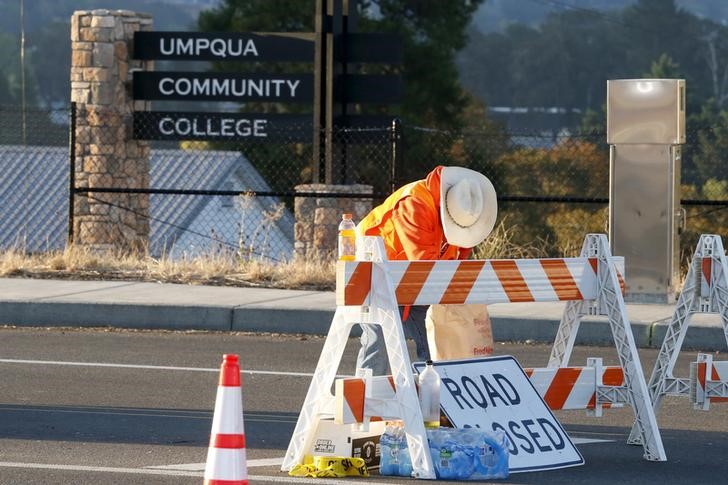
x=317 y=218
x=106 y=154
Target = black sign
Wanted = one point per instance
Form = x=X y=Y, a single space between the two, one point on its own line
x=203 y=86
x=369 y=47
x=174 y=125
x=203 y=46
x=365 y=88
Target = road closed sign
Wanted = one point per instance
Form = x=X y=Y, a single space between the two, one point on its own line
x=494 y=393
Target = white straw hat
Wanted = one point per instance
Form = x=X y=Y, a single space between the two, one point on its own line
x=468 y=206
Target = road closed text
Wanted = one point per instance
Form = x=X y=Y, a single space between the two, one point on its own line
x=496 y=395
x=495 y=390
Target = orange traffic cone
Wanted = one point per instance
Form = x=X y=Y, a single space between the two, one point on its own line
x=226 y=454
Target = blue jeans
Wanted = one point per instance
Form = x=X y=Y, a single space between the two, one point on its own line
x=373 y=351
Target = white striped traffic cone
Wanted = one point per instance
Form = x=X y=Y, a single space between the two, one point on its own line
x=226 y=462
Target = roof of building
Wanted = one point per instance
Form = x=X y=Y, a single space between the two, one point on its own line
x=34 y=187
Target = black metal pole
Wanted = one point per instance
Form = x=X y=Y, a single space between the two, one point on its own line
x=397 y=151
x=72 y=174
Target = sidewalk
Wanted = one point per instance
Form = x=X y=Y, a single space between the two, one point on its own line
x=129 y=304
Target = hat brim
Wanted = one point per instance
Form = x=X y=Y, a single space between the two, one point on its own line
x=468 y=237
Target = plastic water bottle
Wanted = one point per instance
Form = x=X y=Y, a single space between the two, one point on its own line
x=429 y=383
x=347 y=238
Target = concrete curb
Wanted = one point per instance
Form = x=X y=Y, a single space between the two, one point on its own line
x=271 y=318
x=146 y=305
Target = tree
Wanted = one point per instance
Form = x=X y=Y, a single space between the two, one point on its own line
x=433 y=31
x=664 y=68
x=567 y=59
x=50 y=52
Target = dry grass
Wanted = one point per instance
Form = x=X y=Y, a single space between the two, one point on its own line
x=225 y=268
x=76 y=262
x=501 y=244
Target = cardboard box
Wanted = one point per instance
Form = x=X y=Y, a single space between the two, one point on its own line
x=333 y=439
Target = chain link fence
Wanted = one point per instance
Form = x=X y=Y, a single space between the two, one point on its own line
x=186 y=198
x=34 y=184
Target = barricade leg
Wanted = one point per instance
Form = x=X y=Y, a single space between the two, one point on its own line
x=661 y=380
x=384 y=310
x=612 y=304
x=571 y=318
x=320 y=389
x=566 y=334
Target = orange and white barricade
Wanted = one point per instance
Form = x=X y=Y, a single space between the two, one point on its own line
x=370 y=290
x=705 y=290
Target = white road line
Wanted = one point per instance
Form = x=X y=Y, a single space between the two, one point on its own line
x=201 y=466
x=152 y=367
x=178 y=473
x=188 y=467
x=82 y=468
x=586 y=441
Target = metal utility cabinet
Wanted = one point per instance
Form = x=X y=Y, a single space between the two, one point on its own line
x=645 y=128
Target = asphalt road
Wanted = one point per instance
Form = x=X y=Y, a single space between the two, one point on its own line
x=135 y=407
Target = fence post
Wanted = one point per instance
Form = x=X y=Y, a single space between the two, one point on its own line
x=397 y=148
x=72 y=174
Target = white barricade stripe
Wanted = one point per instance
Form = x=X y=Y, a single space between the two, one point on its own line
x=487 y=288
x=538 y=282
x=720 y=370
x=582 y=390
x=541 y=378
x=353 y=406
x=583 y=273
x=438 y=281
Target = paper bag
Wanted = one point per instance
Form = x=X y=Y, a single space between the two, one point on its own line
x=458 y=331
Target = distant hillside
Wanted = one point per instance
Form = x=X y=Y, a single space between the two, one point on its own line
x=40 y=13
x=496 y=15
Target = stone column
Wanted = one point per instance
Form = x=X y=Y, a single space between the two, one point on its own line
x=106 y=154
x=317 y=218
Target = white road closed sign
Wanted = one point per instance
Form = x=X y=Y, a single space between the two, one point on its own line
x=494 y=393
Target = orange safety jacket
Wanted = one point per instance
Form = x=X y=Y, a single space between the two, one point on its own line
x=409 y=222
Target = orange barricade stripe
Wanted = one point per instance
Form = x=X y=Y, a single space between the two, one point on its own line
x=561 y=279
x=706 y=267
x=612 y=376
x=354 y=394
x=412 y=281
x=621 y=282
x=561 y=387
x=594 y=262
x=512 y=280
x=462 y=282
x=358 y=286
x=702 y=370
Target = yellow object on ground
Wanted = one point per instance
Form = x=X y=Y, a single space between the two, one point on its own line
x=331 y=467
